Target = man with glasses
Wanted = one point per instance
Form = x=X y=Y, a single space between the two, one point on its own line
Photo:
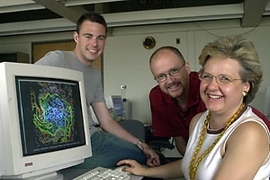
x=176 y=98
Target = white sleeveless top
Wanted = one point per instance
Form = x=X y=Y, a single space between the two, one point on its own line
x=210 y=163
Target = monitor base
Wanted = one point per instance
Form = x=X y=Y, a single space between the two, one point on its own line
x=49 y=176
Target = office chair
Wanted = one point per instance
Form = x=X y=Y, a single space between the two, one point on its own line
x=161 y=143
x=134 y=127
x=158 y=143
x=137 y=129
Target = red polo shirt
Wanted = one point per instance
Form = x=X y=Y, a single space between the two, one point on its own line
x=262 y=116
x=168 y=119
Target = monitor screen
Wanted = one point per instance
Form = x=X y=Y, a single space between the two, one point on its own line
x=43 y=120
x=117 y=105
x=50 y=114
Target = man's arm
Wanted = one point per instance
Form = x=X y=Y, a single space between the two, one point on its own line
x=109 y=125
x=180 y=144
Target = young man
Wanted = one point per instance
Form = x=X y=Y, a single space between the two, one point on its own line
x=113 y=142
x=176 y=98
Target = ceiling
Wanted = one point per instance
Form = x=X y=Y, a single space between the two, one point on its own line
x=38 y=16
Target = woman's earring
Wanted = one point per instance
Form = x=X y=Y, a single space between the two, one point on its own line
x=244 y=93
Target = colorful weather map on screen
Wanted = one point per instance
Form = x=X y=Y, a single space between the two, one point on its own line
x=54 y=114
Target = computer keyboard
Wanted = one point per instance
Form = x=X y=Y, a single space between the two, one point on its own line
x=101 y=173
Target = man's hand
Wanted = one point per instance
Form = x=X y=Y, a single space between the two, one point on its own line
x=151 y=155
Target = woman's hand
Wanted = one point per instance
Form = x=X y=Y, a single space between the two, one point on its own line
x=133 y=167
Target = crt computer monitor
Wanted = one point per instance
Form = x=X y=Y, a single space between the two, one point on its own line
x=112 y=102
x=43 y=121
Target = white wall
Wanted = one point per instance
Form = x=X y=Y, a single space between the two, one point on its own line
x=127 y=62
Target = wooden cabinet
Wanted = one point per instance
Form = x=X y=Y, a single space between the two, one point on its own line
x=40 y=49
x=15 y=57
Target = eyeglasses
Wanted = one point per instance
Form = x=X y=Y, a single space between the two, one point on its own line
x=172 y=72
x=220 y=79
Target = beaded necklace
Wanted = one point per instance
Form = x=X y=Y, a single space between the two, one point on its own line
x=194 y=163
